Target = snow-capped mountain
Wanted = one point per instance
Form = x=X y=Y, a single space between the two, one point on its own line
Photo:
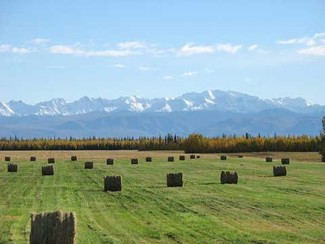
x=206 y=101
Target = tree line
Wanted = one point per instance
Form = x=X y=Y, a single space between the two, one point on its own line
x=194 y=143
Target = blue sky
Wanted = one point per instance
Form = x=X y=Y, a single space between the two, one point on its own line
x=109 y=49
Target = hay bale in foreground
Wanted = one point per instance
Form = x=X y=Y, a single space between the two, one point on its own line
x=181 y=157
x=51 y=160
x=148 y=159
x=170 y=159
x=48 y=170
x=223 y=157
x=89 y=165
x=12 y=167
x=113 y=183
x=109 y=161
x=53 y=227
x=134 y=161
x=74 y=158
x=7 y=159
x=285 y=160
x=228 y=177
x=175 y=180
x=32 y=158
x=279 y=171
x=192 y=156
x=268 y=159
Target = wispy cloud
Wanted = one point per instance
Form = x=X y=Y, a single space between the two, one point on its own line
x=168 y=77
x=190 y=73
x=256 y=49
x=306 y=40
x=63 y=49
x=314 y=45
x=131 y=45
x=190 y=49
x=252 y=47
x=120 y=66
x=7 y=48
x=40 y=41
x=228 y=48
x=313 y=51
x=146 y=68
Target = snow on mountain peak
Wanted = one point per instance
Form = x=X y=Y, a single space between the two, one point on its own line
x=5 y=110
x=207 y=100
x=211 y=96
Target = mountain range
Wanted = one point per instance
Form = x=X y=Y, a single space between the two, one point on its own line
x=211 y=113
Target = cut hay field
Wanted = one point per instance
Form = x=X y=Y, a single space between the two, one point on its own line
x=259 y=209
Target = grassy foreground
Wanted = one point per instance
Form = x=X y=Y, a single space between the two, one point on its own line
x=260 y=209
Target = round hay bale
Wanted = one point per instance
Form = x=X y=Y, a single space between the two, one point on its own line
x=175 y=180
x=109 y=161
x=279 y=171
x=89 y=165
x=148 y=159
x=74 y=158
x=182 y=157
x=32 y=158
x=198 y=156
x=53 y=227
x=7 y=159
x=170 y=159
x=227 y=177
x=269 y=159
x=12 y=167
x=134 y=161
x=240 y=156
x=223 y=157
x=192 y=156
x=51 y=160
x=113 y=183
x=48 y=170
x=285 y=160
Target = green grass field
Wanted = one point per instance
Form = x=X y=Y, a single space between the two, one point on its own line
x=260 y=209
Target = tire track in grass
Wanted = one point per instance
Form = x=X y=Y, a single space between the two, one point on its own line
x=88 y=212
x=26 y=186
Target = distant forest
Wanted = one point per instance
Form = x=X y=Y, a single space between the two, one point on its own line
x=194 y=143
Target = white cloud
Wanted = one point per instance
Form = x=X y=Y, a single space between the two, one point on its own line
x=168 y=77
x=256 y=49
x=313 y=51
x=131 y=45
x=190 y=49
x=120 y=66
x=146 y=68
x=6 y=48
x=306 y=40
x=62 y=49
x=40 y=41
x=228 y=48
x=190 y=73
x=252 y=47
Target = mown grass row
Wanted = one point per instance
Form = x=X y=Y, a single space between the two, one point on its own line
x=260 y=209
